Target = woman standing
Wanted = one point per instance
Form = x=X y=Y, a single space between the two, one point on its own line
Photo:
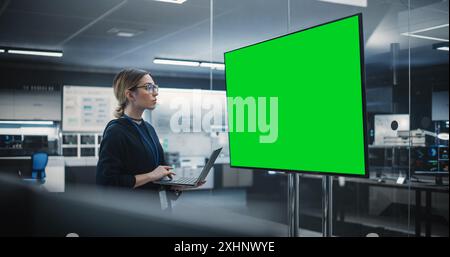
x=130 y=154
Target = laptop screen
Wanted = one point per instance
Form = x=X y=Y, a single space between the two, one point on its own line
x=209 y=164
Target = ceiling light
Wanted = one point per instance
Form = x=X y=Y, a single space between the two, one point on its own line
x=441 y=46
x=172 y=1
x=414 y=33
x=125 y=34
x=176 y=62
x=211 y=65
x=35 y=52
x=430 y=28
x=359 y=3
x=217 y=66
x=443 y=136
x=424 y=37
x=2 y=50
x=27 y=122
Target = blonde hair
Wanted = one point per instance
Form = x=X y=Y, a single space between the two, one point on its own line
x=125 y=79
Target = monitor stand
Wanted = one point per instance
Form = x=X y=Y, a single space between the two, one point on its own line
x=293 y=204
x=327 y=206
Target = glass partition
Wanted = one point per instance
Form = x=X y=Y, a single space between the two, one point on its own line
x=406 y=89
x=428 y=39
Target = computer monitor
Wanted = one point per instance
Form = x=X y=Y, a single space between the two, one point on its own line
x=387 y=127
x=9 y=141
x=35 y=143
x=70 y=139
x=87 y=139
x=297 y=102
x=430 y=161
x=433 y=159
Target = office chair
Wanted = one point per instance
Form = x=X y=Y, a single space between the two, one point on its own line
x=39 y=162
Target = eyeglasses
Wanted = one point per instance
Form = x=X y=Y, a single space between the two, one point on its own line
x=151 y=88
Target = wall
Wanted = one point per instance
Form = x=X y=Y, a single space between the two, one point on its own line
x=27 y=93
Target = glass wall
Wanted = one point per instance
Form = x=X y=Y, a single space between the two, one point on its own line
x=406 y=193
x=428 y=40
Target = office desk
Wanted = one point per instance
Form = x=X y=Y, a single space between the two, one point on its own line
x=422 y=213
x=55 y=170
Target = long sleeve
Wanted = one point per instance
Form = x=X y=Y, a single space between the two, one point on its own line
x=110 y=163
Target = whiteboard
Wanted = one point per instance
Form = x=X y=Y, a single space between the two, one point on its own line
x=87 y=109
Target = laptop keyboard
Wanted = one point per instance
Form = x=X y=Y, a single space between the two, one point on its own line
x=185 y=180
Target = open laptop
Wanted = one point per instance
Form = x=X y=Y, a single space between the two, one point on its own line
x=186 y=181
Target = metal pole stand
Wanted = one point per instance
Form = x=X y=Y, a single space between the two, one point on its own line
x=293 y=208
x=327 y=206
x=164 y=200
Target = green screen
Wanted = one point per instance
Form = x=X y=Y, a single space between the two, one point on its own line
x=315 y=80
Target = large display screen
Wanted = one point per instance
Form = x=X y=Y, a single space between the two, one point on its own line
x=297 y=102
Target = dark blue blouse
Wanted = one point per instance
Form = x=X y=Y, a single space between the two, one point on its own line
x=123 y=154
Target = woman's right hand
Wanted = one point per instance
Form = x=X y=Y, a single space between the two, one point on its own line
x=160 y=172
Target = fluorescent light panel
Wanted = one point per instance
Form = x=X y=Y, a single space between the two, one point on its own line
x=425 y=37
x=359 y=3
x=2 y=50
x=217 y=66
x=125 y=34
x=176 y=62
x=441 y=46
x=443 y=136
x=430 y=28
x=414 y=33
x=27 y=122
x=35 y=52
x=172 y=1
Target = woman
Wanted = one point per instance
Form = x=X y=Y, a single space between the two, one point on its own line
x=130 y=153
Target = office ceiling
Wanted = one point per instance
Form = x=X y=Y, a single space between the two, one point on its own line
x=83 y=30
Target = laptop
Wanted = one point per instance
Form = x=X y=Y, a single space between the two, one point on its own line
x=186 y=181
